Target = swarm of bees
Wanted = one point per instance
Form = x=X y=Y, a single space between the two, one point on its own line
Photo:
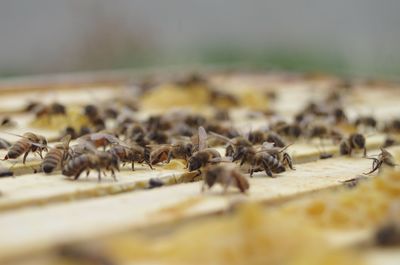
x=115 y=135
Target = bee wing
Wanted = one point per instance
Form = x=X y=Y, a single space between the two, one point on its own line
x=202 y=138
x=221 y=159
x=269 y=147
x=221 y=137
x=66 y=139
x=32 y=143
x=85 y=146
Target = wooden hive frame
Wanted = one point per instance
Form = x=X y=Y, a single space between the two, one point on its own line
x=30 y=202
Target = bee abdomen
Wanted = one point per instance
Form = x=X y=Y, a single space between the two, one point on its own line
x=17 y=149
x=51 y=160
x=75 y=166
x=272 y=162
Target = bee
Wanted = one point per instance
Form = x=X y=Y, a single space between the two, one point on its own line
x=7 y=122
x=158 y=137
x=355 y=141
x=322 y=131
x=179 y=150
x=226 y=176
x=290 y=130
x=339 y=115
x=222 y=129
x=49 y=110
x=56 y=156
x=99 y=160
x=134 y=132
x=133 y=153
x=29 y=142
x=271 y=159
x=78 y=255
x=384 y=158
x=366 y=122
x=91 y=111
x=204 y=155
x=233 y=145
x=389 y=141
x=4 y=144
x=393 y=126
x=99 y=139
x=388 y=233
x=217 y=97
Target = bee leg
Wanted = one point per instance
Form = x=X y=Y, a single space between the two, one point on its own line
x=87 y=173
x=113 y=175
x=25 y=155
x=133 y=166
x=169 y=157
x=77 y=175
x=99 y=175
x=267 y=170
x=365 y=152
x=288 y=160
x=375 y=165
x=147 y=162
x=251 y=171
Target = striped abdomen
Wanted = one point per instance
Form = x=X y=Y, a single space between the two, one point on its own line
x=18 y=149
x=76 y=165
x=52 y=159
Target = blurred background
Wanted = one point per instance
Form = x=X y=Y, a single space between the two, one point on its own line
x=358 y=37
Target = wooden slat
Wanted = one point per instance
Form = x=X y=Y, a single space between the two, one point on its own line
x=40 y=189
x=23 y=230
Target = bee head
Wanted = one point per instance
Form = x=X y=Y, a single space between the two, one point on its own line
x=240 y=153
x=189 y=150
x=194 y=163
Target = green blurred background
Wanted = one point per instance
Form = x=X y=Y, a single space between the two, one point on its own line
x=357 y=37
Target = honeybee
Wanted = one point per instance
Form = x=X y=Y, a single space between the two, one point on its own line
x=204 y=155
x=158 y=137
x=29 y=142
x=225 y=175
x=392 y=126
x=355 y=141
x=366 y=122
x=99 y=161
x=134 y=132
x=99 y=139
x=7 y=122
x=389 y=141
x=289 y=130
x=322 y=131
x=384 y=158
x=49 y=110
x=271 y=159
x=56 y=156
x=131 y=154
x=91 y=111
x=179 y=150
x=259 y=137
x=232 y=144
